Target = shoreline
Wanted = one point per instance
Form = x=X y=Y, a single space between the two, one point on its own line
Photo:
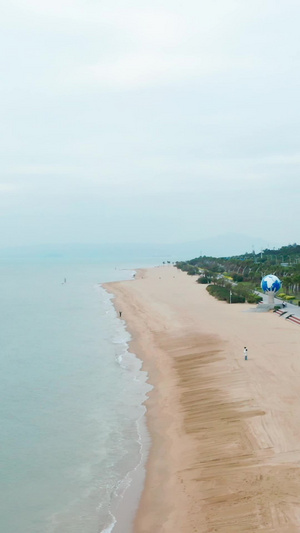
x=222 y=433
x=126 y=506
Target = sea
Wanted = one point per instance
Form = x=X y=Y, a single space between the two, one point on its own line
x=73 y=432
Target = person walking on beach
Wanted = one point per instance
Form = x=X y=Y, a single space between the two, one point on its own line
x=120 y=313
x=246 y=353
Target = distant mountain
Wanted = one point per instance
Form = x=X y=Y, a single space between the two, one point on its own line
x=219 y=246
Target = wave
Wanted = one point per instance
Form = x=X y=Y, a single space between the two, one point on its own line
x=130 y=362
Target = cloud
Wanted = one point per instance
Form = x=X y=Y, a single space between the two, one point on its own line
x=141 y=69
x=163 y=103
x=129 y=46
x=41 y=170
x=8 y=188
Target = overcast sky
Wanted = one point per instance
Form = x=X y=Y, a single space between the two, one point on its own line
x=157 y=121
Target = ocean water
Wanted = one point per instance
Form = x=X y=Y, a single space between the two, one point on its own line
x=71 y=397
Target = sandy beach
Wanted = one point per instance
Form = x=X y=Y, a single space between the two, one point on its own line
x=225 y=432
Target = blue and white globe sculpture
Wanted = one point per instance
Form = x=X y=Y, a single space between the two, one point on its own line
x=270 y=284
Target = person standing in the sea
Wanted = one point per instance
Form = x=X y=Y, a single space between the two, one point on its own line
x=246 y=353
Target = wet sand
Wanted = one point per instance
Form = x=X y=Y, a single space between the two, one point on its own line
x=225 y=432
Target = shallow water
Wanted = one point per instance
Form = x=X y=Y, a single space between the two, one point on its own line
x=70 y=398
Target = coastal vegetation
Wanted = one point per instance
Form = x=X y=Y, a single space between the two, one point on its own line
x=241 y=274
x=225 y=294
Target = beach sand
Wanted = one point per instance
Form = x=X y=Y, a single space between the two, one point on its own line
x=225 y=432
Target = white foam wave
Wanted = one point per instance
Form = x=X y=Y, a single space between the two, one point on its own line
x=129 y=361
x=120 y=360
x=122 y=340
x=111 y=526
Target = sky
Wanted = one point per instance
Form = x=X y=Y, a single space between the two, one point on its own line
x=162 y=121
